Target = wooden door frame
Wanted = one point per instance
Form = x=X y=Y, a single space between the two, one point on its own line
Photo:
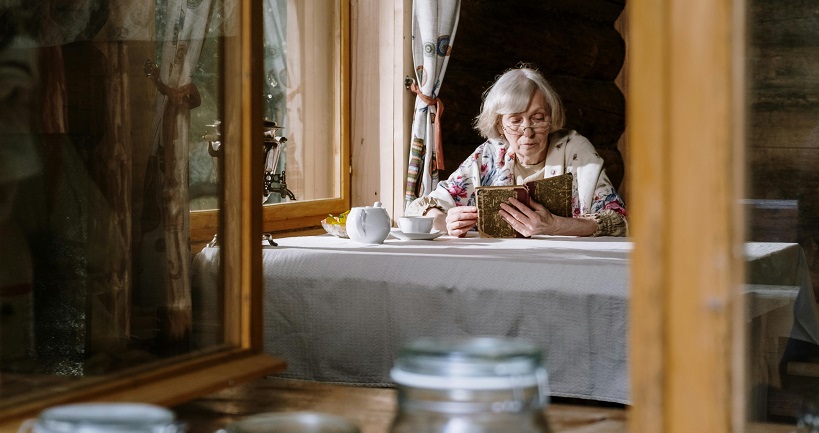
x=686 y=114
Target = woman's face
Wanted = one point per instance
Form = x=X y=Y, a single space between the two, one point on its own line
x=528 y=132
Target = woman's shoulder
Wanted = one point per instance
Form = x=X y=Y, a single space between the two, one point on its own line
x=574 y=146
x=573 y=142
x=492 y=143
x=488 y=147
x=570 y=137
x=489 y=150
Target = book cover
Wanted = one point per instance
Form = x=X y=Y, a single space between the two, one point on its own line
x=554 y=193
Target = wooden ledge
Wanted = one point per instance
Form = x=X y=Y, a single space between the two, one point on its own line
x=167 y=386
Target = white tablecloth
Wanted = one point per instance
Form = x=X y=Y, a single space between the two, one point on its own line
x=337 y=310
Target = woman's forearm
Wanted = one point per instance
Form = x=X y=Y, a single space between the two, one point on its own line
x=567 y=226
x=439 y=223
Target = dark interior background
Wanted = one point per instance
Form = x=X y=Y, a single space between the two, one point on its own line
x=782 y=198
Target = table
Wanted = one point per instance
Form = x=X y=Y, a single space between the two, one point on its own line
x=338 y=311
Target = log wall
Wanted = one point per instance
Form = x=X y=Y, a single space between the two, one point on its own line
x=576 y=46
x=783 y=128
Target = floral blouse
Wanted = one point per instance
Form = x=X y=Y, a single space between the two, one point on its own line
x=569 y=152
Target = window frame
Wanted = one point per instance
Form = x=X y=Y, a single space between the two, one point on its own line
x=286 y=217
x=180 y=379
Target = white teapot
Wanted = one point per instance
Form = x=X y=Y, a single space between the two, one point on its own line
x=368 y=224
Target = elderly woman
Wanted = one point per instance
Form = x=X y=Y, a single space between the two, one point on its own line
x=522 y=120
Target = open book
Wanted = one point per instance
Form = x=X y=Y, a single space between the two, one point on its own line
x=554 y=193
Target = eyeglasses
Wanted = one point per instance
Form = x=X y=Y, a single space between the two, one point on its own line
x=514 y=126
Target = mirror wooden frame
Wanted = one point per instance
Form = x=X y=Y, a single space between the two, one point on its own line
x=181 y=379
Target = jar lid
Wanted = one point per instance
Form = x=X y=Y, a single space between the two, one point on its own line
x=105 y=417
x=470 y=363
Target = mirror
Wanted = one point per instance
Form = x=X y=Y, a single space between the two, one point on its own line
x=103 y=103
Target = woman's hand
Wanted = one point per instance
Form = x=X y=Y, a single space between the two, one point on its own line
x=461 y=219
x=537 y=220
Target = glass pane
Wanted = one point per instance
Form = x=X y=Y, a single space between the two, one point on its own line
x=302 y=45
x=103 y=105
x=782 y=206
x=302 y=83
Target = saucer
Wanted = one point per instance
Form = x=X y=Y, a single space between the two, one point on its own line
x=416 y=236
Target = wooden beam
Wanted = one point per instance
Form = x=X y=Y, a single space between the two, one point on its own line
x=685 y=113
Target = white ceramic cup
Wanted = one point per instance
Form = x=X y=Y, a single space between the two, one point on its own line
x=415 y=224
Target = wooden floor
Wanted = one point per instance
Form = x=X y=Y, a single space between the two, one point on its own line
x=371 y=409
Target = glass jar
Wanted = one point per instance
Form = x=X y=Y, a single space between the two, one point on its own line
x=470 y=384
x=105 y=418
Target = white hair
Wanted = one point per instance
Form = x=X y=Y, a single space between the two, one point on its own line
x=510 y=94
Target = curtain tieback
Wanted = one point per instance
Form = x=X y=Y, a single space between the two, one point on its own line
x=439 y=112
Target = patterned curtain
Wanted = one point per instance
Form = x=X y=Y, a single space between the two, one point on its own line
x=433 y=31
x=164 y=259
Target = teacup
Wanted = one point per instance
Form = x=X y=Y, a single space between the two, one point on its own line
x=415 y=224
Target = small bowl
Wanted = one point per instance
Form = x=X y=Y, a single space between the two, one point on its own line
x=338 y=230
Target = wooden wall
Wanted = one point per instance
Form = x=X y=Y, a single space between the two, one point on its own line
x=783 y=129
x=381 y=108
x=575 y=44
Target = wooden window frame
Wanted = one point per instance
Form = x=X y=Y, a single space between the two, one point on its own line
x=293 y=216
x=180 y=379
x=285 y=217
